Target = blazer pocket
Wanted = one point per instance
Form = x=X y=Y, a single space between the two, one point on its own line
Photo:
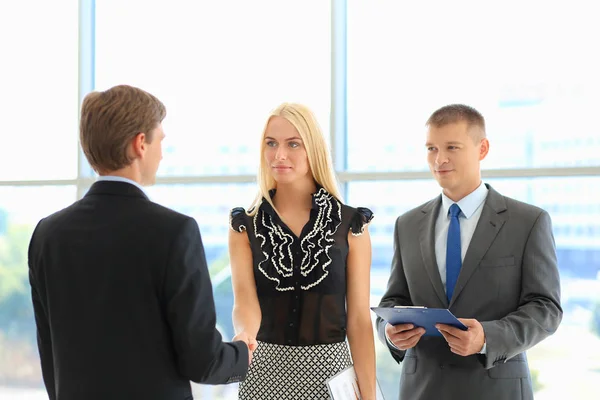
x=498 y=262
x=409 y=365
x=512 y=369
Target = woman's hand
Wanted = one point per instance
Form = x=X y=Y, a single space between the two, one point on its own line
x=250 y=342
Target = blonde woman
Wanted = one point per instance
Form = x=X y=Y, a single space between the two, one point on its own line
x=300 y=263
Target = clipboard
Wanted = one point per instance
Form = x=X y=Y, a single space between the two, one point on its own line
x=344 y=386
x=420 y=317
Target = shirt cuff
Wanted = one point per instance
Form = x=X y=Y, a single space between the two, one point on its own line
x=483 y=349
x=390 y=342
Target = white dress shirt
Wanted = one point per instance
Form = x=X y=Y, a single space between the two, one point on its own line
x=470 y=207
x=113 y=178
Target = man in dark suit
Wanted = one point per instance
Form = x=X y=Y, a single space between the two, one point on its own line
x=488 y=258
x=122 y=296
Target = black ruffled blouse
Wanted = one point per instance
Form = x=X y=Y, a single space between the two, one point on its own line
x=301 y=281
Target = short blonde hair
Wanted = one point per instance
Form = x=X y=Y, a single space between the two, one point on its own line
x=319 y=156
x=454 y=113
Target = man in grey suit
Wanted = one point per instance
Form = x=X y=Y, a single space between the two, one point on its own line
x=488 y=258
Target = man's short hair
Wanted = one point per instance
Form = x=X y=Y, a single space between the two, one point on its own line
x=454 y=113
x=111 y=119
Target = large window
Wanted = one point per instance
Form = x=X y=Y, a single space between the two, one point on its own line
x=220 y=68
x=532 y=78
x=377 y=69
x=39 y=143
x=20 y=210
x=39 y=90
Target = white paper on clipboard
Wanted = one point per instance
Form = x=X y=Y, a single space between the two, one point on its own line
x=344 y=386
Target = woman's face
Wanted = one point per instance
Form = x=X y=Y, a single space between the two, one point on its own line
x=284 y=151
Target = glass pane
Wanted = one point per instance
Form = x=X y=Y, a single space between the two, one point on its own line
x=536 y=85
x=39 y=90
x=218 y=71
x=210 y=204
x=575 y=211
x=20 y=210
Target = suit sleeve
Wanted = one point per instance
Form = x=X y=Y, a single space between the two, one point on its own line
x=539 y=313
x=44 y=338
x=397 y=293
x=202 y=356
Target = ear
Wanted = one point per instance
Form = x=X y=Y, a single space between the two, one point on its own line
x=484 y=148
x=138 y=145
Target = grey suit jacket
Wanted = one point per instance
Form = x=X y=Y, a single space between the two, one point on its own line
x=508 y=281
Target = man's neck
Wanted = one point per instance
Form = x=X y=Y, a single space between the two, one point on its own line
x=458 y=195
x=127 y=172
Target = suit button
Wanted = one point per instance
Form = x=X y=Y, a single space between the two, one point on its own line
x=294 y=310
x=291 y=324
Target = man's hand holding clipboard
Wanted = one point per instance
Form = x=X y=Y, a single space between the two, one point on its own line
x=420 y=317
x=406 y=325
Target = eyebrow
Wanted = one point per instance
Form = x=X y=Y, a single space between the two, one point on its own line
x=447 y=143
x=287 y=140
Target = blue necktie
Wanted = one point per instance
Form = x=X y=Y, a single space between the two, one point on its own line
x=453 y=258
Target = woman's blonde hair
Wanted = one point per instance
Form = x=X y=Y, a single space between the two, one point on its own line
x=319 y=157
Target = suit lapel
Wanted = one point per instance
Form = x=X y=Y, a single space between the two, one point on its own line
x=491 y=221
x=427 y=240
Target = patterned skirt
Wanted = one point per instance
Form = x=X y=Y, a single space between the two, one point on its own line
x=293 y=372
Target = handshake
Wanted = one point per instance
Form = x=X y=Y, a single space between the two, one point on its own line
x=250 y=342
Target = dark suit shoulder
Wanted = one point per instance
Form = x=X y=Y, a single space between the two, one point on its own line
x=417 y=212
x=525 y=213
x=162 y=220
x=520 y=207
x=90 y=211
x=57 y=218
x=168 y=214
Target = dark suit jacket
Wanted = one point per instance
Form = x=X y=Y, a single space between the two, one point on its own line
x=508 y=281
x=123 y=301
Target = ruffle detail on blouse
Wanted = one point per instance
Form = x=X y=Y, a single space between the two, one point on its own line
x=237 y=219
x=313 y=260
x=361 y=218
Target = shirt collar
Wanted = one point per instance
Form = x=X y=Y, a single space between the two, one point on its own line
x=468 y=204
x=113 y=178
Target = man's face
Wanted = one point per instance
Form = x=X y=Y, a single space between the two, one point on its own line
x=152 y=156
x=454 y=152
